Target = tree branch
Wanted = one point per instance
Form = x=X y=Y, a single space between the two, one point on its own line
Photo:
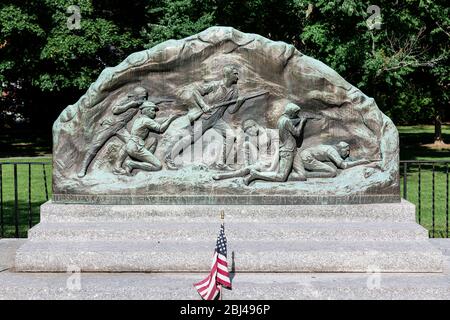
x=439 y=26
x=408 y=53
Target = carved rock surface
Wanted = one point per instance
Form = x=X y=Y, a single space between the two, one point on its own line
x=346 y=114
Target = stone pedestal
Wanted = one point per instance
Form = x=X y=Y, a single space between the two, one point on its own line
x=271 y=238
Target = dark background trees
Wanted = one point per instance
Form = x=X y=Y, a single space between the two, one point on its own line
x=404 y=64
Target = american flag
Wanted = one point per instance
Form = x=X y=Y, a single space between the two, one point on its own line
x=210 y=288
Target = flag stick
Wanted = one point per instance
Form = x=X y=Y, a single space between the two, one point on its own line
x=222 y=217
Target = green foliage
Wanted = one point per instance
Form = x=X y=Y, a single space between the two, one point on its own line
x=45 y=65
x=404 y=64
x=15 y=35
x=177 y=19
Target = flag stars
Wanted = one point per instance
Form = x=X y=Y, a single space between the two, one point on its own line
x=210 y=287
x=222 y=242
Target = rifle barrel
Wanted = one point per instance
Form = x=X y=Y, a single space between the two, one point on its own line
x=250 y=96
x=164 y=100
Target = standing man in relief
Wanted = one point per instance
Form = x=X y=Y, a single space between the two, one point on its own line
x=203 y=115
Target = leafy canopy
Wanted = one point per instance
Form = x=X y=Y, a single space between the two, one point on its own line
x=404 y=64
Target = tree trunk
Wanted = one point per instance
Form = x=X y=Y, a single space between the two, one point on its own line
x=438 y=129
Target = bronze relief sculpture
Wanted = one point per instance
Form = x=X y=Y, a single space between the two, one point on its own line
x=214 y=93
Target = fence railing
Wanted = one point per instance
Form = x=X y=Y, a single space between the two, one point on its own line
x=426 y=184
x=24 y=186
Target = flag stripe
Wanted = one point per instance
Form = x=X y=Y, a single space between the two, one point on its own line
x=212 y=293
x=211 y=287
x=222 y=268
x=203 y=281
x=208 y=285
x=223 y=274
x=219 y=276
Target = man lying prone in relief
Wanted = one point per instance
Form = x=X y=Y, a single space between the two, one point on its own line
x=314 y=160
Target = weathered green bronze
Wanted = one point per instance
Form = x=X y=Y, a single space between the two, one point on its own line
x=224 y=117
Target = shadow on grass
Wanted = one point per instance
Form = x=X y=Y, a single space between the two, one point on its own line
x=412 y=146
x=25 y=143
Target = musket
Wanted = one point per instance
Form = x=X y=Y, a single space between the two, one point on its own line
x=309 y=115
x=250 y=96
x=162 y=101
x=305 y=116
x=225 y=103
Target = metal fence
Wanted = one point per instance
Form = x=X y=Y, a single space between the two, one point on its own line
x=426 y=184
x=24 y=186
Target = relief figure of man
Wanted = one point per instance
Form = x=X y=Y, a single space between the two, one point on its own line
x=122 y=113
x=290 y=128
x=254 y=156
x=314 y=160
x=142 y=155
x=203 y=115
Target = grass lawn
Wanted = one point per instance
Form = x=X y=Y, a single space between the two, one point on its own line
x=413 y=146
x=425 y=214
x=26 y=204
x=23 y=146
x=415 y=141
